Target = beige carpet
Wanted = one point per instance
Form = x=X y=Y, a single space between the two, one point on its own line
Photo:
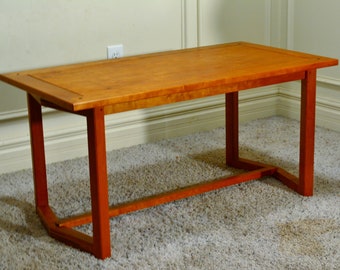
x=256 y=225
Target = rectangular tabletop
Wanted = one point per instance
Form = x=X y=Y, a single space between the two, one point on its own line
x=161 y=78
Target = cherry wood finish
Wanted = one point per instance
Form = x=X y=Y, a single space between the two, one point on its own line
x=103 y=87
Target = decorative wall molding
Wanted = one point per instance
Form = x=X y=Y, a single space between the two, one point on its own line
x=20 y=113
x=290 y=24
x=189 y=23
x=268 y=22
x=65 y=134
x=329 y=80
x=199 y=15
x=8 y=115
x=327 y=109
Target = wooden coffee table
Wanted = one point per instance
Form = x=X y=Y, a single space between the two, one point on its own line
x=98 y=88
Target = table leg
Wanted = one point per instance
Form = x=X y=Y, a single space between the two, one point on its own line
x=231 y=126
x=99 y=183
x=38 y=152
x=307 y=133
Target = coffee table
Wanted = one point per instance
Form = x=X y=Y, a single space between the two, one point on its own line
x=95 y=89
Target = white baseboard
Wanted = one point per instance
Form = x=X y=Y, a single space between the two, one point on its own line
x=65 y=134
x=327 y=109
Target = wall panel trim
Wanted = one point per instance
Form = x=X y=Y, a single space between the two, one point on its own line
x=64 y=141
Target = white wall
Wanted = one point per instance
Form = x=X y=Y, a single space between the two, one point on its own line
x=227 y=21
x=313 y=28
x=39 y=33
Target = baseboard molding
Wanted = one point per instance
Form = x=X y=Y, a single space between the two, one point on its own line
x=327 y=109
x=65 y=134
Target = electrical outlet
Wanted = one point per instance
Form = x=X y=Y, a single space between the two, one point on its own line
x=114 y=51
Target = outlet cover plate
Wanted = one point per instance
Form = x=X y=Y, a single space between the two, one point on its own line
x=114 y=51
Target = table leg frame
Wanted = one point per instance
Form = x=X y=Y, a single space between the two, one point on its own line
x=99 y=243
x=304 y=184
